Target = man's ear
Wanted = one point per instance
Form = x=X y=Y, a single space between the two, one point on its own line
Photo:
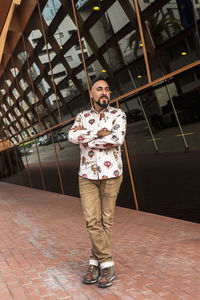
x=91 y=97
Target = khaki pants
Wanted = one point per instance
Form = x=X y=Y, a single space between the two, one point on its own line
x=98 y=198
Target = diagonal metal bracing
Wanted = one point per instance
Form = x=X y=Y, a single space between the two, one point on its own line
x=15 y=104
x=59 y=56
x=44 y=70
x=10 y=121
x=87 y=35
x=33 y=23
x=21 y=92
x=131 y=14
x=71 y=74
x=15 y=121
x=18 y=119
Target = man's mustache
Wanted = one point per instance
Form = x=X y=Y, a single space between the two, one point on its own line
x=104 y=96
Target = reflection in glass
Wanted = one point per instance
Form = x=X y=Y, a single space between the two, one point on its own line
x=173 y=37
x=50 y=10
x=34 y=37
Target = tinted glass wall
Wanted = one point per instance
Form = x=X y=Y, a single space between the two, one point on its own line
x=149 y=53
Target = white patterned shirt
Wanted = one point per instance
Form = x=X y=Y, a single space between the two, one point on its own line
x=100 y=157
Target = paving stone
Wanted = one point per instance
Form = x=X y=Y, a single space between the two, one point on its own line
x=45 y=250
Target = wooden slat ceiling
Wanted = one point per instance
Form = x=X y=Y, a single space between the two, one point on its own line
x=4 y=9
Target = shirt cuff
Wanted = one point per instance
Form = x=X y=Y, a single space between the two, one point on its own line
x=94 y=134
x=92 y=143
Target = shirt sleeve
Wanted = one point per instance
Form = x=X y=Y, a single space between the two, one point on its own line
x=80 y=136
x=116 y=138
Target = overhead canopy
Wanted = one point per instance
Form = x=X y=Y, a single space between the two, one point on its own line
x=6 y=13
x=4 y=9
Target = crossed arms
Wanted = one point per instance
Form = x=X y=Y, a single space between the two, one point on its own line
x=101 y=139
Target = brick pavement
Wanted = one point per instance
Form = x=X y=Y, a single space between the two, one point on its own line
x=44 y=251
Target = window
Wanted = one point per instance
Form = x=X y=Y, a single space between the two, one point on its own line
x=77 y=46
x=71 y=32
x=59 y=74
x=69 y=58
x=80 y=56
x=59 y=34
x=90 y=69
x=43 y=52
x=35 y=41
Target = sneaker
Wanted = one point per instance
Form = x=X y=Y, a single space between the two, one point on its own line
x=106 y=277
x=92 y=275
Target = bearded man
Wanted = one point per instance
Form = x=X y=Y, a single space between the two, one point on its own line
x=100 y=133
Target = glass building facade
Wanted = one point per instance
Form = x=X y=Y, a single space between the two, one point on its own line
x=149 y=51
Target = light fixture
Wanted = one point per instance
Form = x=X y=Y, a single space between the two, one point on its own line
x=61 y=47
x=183 y=53
x=141 y=44
x=139 y=76
x=96 y=8
x=103 y=71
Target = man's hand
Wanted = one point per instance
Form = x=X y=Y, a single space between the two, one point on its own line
x=102 y=133
x=79 y=127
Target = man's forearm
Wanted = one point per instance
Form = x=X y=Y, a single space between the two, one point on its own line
x=102 y=133
x=81 y=136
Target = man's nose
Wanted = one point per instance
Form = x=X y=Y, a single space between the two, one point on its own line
x=104 y=95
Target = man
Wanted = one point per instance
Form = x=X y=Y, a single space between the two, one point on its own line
x=100 y=132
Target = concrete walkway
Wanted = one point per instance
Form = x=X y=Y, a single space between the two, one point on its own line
x=44 y=250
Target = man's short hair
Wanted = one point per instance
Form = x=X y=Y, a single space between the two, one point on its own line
x=100 y=77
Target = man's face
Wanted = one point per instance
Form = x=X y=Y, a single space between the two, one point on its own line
x=100 y=93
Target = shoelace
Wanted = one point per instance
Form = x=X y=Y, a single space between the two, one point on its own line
x=105 y=271
x=92 y=269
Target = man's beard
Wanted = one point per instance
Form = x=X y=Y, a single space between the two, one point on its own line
x=104 y=104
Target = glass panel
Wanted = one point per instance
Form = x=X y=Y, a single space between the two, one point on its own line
x=3 y=91
x=86 y=8
x=14 y=71
x=34 y=37
x=65 y=155
x=50 y=10
x=162 y=179
x=44 y=54
x=143 y=3
x=170 y=37
x=22 y=56
x=59 y=73
x=79 y=104
x=23 y=84
x=35 y=71
x=126 y=54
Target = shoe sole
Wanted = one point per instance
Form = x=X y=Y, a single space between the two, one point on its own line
x=105 y=285
x=89 y=282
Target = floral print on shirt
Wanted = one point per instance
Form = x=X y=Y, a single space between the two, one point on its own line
x=100 y=157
